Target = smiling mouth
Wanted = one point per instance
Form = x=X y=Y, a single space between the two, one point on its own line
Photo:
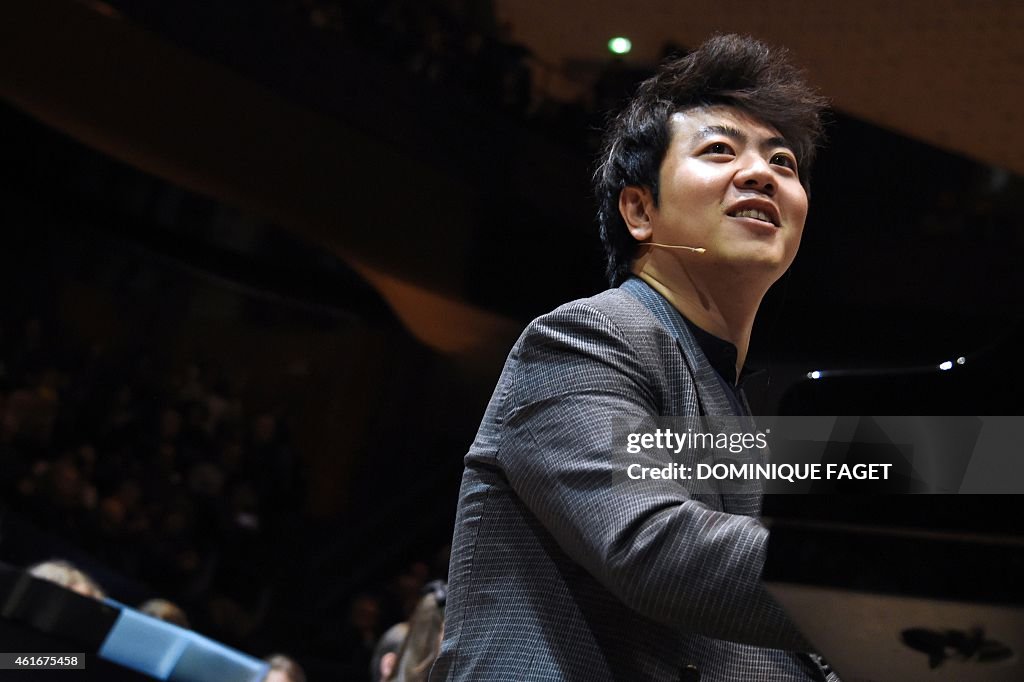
x=756 y=214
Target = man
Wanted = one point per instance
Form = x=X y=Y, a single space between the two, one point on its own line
x=563 y=568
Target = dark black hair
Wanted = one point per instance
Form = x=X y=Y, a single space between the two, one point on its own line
x=731 y=70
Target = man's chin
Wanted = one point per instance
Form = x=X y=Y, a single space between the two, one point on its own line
x=755 y=260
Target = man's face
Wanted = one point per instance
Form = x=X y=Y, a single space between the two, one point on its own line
x=729 y=184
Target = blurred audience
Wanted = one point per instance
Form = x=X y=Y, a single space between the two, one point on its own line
x=423 y=641
x=173 y=480
x=165 y=610
x=284 y=669
x=166 y=477
x=385 y=654
x=65 y=574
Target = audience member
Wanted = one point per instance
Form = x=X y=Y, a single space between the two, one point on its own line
x=65 y=574
x=423 y=642
x=284 y=669
x=385 y=654
x=165 y=610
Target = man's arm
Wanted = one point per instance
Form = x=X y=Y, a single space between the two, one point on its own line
x=661 y=552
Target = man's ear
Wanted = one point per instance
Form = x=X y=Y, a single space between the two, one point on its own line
x=636 y=205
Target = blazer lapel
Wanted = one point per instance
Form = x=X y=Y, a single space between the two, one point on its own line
x=710 y=394
x=709 y=388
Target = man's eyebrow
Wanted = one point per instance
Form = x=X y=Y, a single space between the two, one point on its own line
x=776 y=142
x=740 y=136
x=727 y=131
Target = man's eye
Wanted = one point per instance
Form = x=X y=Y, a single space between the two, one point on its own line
x=784 y=160
x=718 y=148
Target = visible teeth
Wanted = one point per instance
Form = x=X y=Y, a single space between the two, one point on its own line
x=754 y=213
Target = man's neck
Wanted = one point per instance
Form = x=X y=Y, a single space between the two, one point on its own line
x=726 y=312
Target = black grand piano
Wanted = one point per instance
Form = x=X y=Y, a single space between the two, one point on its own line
x=906 y=587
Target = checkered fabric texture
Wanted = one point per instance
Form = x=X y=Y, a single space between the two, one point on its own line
x=562 y=567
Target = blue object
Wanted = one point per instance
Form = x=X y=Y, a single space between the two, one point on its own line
x=168 y=652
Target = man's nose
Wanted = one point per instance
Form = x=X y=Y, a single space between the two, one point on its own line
x=755 y=173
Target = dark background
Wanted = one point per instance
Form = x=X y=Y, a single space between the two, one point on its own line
x=308 y=233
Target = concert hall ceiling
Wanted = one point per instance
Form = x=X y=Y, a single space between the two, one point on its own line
x=946 y=72
x=304 y=145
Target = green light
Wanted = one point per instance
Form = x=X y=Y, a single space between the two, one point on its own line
x=620 y=45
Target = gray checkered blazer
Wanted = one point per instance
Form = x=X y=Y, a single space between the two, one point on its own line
x=562 y=568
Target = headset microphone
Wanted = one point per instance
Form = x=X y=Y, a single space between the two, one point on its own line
x=695 y=249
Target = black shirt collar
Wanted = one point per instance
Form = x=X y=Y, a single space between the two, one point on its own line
x=722 y=355
x=719 y=352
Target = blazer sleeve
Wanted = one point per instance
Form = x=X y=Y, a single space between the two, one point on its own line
x=664 y=554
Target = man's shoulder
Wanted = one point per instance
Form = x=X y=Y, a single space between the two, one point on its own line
x=615 y=306
x=609 y=326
